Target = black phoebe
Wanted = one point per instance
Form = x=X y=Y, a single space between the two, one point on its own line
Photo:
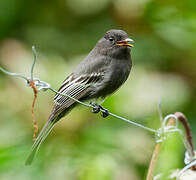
x=100 y=74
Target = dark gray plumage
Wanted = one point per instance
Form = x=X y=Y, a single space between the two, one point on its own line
x=100 y=74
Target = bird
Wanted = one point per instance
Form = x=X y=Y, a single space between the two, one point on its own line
x=98 y=76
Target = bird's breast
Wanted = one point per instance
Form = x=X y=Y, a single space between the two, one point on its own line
x=115 y=75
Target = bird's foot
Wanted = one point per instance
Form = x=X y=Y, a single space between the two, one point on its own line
x=105 y=112
x=97 y=108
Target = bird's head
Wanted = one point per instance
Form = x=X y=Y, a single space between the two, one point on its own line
x=115 y=41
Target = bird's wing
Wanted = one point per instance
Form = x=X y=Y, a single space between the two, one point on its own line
x=75 y=87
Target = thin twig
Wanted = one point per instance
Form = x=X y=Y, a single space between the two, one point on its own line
x=182 y=118
x=189 y=138
x=153 y=161
x=32 y=84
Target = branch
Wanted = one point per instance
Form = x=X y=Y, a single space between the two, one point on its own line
x=182 y=118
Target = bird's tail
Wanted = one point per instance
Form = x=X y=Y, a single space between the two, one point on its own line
x=41 y=137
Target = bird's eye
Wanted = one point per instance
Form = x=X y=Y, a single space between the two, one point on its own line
x=111 y=39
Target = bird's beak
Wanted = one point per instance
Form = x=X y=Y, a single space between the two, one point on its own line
x=127 y=42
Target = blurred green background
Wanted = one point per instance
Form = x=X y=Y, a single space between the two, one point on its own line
x=83 y=145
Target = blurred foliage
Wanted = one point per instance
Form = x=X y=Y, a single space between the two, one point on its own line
x=83 y=145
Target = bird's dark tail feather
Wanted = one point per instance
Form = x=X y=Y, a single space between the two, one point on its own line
x=53 y=118
x=41 y=137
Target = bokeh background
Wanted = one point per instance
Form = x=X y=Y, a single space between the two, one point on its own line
x=83 y=145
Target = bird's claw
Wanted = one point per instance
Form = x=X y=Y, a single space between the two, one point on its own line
x=105 y=112
x=97 y=108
